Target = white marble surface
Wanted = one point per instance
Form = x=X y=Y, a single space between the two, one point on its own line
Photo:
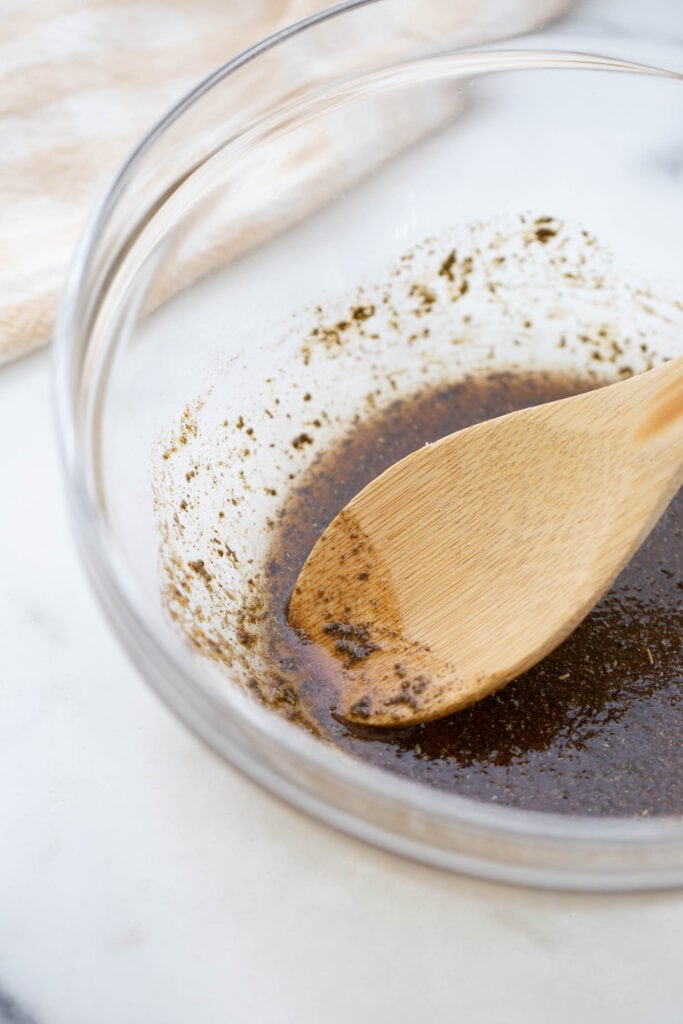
x=141 y=880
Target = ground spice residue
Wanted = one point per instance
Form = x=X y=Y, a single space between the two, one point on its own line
x=248 y=476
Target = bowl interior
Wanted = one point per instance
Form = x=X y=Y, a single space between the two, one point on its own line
x=365 y=238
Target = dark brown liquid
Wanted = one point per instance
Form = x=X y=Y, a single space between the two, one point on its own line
x=595 y=728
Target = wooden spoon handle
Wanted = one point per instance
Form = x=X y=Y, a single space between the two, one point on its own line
x=661 y=392
x=648 y=409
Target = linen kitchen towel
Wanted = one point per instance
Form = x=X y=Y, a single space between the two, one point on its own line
x=82 y=80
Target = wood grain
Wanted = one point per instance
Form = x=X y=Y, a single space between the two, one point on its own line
x=465 y=563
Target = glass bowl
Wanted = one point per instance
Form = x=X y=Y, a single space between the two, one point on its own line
x=314 y=174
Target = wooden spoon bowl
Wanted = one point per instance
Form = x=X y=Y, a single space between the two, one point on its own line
x=468 y=561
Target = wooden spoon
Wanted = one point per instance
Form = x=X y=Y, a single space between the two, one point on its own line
x=465 y=563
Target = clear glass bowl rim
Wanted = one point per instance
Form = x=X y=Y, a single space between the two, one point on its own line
x=534 y=848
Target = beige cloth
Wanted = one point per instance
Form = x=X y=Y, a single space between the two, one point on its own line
x=82 y=80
